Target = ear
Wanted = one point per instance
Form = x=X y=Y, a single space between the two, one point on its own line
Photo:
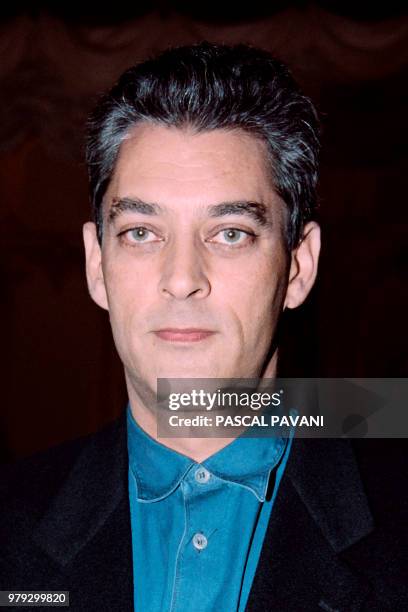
x=303 y=268
x=94 y=272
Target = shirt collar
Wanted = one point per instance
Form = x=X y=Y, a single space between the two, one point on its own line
x=158 y=470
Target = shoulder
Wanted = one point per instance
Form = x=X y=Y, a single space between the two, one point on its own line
x=28 y=485
x=382 y=466
x=382 y=556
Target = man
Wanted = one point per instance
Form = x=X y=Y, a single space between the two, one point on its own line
x=203 y=169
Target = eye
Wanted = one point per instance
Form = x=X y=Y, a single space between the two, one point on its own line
x=139 y=235
x=232 y=236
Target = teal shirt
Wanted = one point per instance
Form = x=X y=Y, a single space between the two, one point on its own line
x=198 y=529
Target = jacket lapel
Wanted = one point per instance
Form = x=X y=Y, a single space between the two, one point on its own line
x=319 y=512
x=86 y=530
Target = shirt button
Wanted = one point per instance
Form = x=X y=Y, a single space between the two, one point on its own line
x=202 y=475
x=200 y=541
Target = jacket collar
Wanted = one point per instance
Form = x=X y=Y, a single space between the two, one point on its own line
x=92 y=491
x=325 y=475
x=319 y=512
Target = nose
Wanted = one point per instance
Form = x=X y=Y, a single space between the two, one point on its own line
x=183 y=275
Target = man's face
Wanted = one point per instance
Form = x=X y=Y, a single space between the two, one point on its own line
x=193 y=266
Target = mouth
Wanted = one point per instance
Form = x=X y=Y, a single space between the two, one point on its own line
x=188 y=334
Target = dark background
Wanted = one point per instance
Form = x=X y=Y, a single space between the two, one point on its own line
x=62 y=377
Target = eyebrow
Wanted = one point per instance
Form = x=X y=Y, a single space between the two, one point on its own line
x=121 y=205
x=255 y=210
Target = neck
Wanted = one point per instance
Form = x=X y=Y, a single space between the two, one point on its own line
x=196 y=448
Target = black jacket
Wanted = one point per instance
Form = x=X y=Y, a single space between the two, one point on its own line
x=336 y=538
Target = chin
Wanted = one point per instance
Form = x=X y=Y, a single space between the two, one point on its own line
x=182 y=373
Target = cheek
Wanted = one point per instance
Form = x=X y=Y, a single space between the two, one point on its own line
x=126 y=297
x=255 y=301
x=126 y=281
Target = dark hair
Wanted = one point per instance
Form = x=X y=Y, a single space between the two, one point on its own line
x=206 y=87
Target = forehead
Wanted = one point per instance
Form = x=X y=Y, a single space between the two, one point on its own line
x=170 y=164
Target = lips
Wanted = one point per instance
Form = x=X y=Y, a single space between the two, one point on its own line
x=188 y=334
